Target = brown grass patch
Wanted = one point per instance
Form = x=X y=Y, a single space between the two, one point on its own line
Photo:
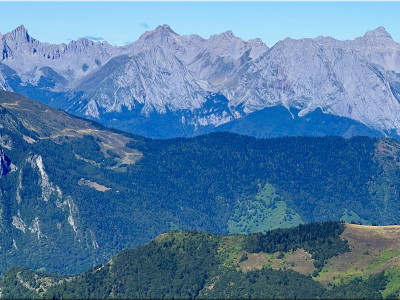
x=382 y=237
x=54 y=124
x=368 y=244
x=255 y=261
x=95 y=185
x=389 y=147
x=300 y=261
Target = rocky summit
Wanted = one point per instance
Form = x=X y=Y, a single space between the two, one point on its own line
x=166 y=85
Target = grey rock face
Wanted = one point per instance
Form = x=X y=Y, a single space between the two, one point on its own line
x=346 y=79
x=341 y=78
x=163 y=72
x=4 y=164
x=41 y=213
x=30 y=58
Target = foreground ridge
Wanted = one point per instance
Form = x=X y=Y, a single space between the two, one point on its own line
x=190 y=264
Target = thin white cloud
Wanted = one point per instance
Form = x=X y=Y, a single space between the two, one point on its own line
x=144 y=24
x=93 y=38
x=89 y=37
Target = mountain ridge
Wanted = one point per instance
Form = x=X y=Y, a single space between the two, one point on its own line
x=172 y=76
x=282 y=263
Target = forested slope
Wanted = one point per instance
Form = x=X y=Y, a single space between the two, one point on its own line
x=75 y=193
x=192 y=264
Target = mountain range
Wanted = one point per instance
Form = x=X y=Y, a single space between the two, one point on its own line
x=166 y=85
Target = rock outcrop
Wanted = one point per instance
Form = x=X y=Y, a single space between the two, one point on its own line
x=4 y=164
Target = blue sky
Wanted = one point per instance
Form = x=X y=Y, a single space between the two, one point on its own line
x=121 y=22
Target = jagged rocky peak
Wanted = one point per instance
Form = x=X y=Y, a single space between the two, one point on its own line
x=18 y=44
x=163 y=69
x=258 y=47
x=379 y=33
x=16 y=41
x=193 y=38
x=28 y=56
x=164 y=27
x=162 y=31
x=328 y=43
x=162 y=36
x=84 y=44
x=227 y=44
x=256 y=42
x=188 y=47
x=224 y=38
x=226 y=35
x=289 y=45
x=19 y=33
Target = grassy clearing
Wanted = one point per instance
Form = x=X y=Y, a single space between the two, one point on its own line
x=299 y=261
x=343 y=278
x=351 y=216
x=267 y=211
x=230 y=249
x=173 y=226
x=385 y=256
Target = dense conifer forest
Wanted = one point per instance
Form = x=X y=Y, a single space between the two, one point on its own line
x=98 y=191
